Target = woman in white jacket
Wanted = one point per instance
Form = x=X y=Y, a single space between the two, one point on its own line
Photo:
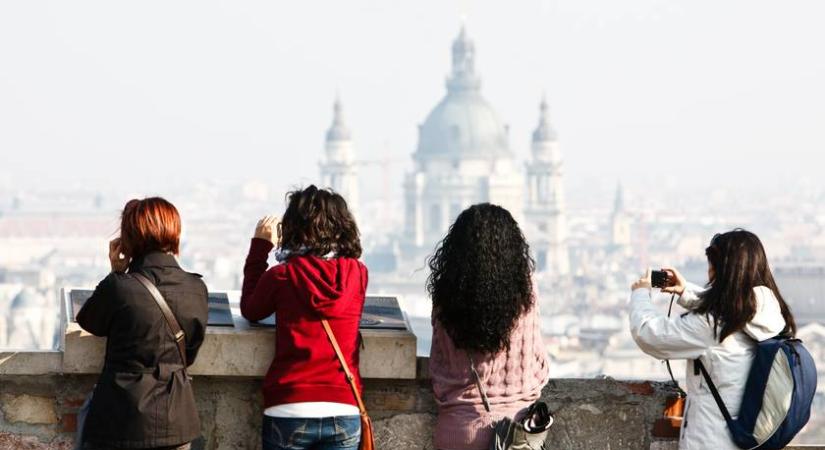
x=740 y=307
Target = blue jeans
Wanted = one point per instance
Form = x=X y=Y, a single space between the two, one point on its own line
x=325 y=433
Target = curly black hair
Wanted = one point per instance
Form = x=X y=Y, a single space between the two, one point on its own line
x=317 y=221
x=480 y=279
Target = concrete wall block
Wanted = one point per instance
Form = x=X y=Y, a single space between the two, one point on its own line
x=405 y=431
x=11 y=441
x=230 y=412
x=664 y=445
x=598 y=426
x=603 y=413
x=29 y=409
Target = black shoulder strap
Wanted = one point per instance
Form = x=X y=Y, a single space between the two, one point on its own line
x=479 y=385
x=715 y=392
x=682 y=393
x=180 y=336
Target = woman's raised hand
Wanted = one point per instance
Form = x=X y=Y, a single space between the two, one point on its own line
x=267 y=228
x=117 y=259
x=643 y=283
x=676 y=282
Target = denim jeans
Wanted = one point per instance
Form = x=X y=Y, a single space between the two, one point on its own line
x=325 y=433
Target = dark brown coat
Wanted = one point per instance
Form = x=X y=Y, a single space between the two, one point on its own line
x=142 y=398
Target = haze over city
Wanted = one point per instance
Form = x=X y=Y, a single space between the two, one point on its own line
x=646 y=91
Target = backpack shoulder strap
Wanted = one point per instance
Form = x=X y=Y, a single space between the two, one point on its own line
x=344 y=365
x=180 y=336
x=715 y=392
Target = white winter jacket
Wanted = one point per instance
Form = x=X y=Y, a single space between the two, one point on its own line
x=728 y=363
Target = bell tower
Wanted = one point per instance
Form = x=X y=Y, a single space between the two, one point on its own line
x=545 y=209
x=338 y=164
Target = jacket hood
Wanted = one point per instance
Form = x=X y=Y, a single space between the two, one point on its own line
x=328 y=285
x=768 y=321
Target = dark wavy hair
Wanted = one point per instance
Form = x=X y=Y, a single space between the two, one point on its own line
x=480 y=279
x=317 y=222
x=739 y=265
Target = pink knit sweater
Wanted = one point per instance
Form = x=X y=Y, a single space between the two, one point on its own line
x=513 y=380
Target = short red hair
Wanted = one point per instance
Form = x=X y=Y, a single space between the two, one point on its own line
x=149 y=225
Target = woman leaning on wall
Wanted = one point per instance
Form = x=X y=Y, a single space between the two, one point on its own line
x=488 y=361
x=143 y=398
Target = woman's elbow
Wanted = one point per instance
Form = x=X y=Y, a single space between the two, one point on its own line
x=89 y=326
x=250 y=313
x=650 y=345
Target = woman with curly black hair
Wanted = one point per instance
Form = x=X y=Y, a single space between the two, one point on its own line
x=484 y=317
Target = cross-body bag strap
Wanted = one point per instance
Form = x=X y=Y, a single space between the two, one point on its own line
x=682 y=393
x=715 y=392
x=344 y=365
x=479 y=385
x=177 y=332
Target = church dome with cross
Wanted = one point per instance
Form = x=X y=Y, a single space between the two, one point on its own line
x=463 y=124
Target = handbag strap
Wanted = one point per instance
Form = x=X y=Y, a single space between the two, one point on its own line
x=715 y=392
x=479 y=385
x=177 y=332
x=344 y=365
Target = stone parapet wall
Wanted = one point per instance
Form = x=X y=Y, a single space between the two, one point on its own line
x=38 y=410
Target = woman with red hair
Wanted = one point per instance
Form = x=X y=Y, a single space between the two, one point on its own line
x=143 y=398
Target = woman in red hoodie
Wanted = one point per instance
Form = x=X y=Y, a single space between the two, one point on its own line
x=308 y=401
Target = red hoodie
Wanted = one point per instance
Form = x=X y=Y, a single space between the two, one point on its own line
x=300 y=292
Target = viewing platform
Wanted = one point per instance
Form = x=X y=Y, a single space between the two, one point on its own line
x=40 y=393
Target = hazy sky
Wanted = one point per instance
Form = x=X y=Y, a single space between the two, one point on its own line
x=700 y=92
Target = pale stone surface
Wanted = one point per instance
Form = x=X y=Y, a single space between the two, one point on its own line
x=247 y=352
x=11 y=441
x=30 y=362
x=407 y=431
x=619 y=415
x=28 y=409
x=230 y=413
x=664 y=445
x=616 y=416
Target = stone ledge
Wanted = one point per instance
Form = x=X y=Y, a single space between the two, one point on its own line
x=387 y=354
x=30 y=362
x=239 y=351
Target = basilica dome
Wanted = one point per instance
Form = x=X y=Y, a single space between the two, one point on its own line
x=463 y=124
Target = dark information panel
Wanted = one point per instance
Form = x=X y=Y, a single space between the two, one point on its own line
x=379 y=312
x=219 y=313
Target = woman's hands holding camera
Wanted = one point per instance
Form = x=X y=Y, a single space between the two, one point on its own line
x=117 y=259
x=676 y=283
x=267 y=228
